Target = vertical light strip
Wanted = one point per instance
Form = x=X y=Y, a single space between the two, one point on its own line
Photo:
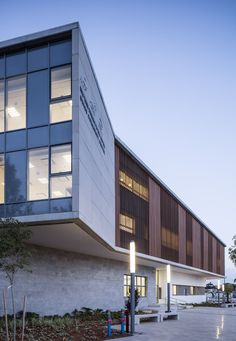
x=132 y=257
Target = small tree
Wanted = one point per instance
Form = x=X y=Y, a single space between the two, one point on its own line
x=14 y=255
x=232 y=251
x=229 y=288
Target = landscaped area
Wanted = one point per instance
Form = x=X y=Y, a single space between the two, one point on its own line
x=82 y=325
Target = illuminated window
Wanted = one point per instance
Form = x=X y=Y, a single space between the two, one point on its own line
x=61 y=159
x=61 y=82
x=60 y=111
x=186 y=290
x=38 y=174
x=2 y=181
x=61 y=186
x=16 y=103
x=127 y=223
x=1 y=106
x=140 y=285
x=61 y=183
x=133 y=185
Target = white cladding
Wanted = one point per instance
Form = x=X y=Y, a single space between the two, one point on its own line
x=93 y=150
x=181 y=278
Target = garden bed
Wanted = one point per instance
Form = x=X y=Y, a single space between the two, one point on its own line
x=78 y=326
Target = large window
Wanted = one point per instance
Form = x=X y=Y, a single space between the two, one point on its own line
x=133 y=185
x=127 y=223
x=140 y=285
x=16 y=103
x=1 y=106
x=61 y=82
x=61 y=103
x=61 y=111
x=61 y=179
x=61 y=159
x=38 y=174
x=60 y=173
x=186 y=290
x=2 y=181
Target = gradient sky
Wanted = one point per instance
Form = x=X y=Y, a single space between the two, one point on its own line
x=167 y=71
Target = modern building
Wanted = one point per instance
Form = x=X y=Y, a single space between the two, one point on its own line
x=84 y=193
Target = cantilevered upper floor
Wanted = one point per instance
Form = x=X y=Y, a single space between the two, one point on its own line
x=60 y=162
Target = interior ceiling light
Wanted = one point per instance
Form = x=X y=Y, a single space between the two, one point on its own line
x=43 y=180
x=12 y=112
x=67 y=157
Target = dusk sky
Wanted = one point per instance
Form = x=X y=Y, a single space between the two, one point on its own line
x=167 y=71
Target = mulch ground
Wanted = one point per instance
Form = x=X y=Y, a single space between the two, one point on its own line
x=93 y=331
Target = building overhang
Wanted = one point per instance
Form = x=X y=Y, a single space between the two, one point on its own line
x=74 y=236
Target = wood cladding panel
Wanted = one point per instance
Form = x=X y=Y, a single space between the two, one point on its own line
x=169 y=227
x=196 y=244
x=205 y=243
x=154 y=219
x=210 y=246
x=117 y=189
x=163 y=226
x=189 y=240
x=222 y=260
x=182 y=235
x=214 y=255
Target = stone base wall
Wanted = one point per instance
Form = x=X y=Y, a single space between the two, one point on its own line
x=62 y=281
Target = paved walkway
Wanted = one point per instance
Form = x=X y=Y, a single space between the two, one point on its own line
x=198 y=324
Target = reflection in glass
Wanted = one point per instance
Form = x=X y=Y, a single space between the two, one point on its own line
x=1 y=106
x=61 y=159
x=16 y=103
x=60 y=111
x=61 y=186
x=38 y=174
x=15 y=177
x=2 y=181
x=61 y=82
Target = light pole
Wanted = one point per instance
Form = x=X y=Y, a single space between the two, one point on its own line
x=223 y=290
x=132 y=292
x=168 y=280
x=218 y=288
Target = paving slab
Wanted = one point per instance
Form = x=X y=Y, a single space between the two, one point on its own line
x=197 y=324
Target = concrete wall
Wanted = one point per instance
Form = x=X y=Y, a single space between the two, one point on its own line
x=61 y=282
x=181 y=278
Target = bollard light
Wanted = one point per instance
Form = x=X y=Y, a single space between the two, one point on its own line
x=132 y=257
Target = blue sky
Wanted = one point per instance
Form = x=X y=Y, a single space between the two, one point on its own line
x=167 y=70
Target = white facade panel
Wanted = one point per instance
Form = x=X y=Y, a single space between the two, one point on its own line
x=96 y=164
x=182 y=278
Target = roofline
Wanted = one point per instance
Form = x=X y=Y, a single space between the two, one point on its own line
x=38 y=35
x=160 y=182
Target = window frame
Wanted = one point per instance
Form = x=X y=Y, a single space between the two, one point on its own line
x=53 y=175
x=25 y=75
x=61 y=98
x=126 y=286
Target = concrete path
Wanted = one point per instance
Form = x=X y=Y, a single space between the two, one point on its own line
x=198 y=324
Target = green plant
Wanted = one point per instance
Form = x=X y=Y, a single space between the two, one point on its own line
x=136 y=299
x=232 y=251
x=14 y=255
